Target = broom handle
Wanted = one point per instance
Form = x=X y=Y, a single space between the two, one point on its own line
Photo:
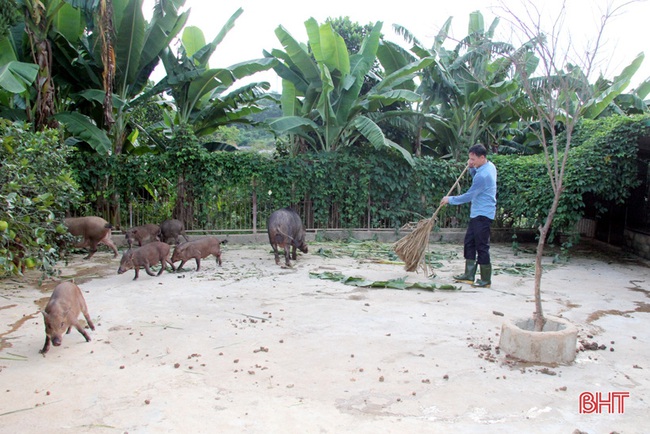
x=450 y=190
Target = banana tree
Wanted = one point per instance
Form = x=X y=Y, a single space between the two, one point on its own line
x=102 y=77
x=16 y=78
x=103 y=65
x=40 y=16
x=635 y=101
x=467 y=87
x=16 y=75
x=322 y=102
x=606 y=95
x=204 y=98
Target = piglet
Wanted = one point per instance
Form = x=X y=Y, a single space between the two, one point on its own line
x=93 y=230
x=172 y=230
x=61 y=314
x=146 y=256
x=142 y=234
x=198 y=249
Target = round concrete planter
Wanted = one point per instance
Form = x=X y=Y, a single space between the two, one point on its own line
x=556 y=343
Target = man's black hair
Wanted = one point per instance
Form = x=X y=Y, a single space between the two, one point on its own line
x=478 y=150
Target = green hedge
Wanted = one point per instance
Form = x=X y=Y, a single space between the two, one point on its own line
x=602 y=168
x=350 y=183
x=344 y=188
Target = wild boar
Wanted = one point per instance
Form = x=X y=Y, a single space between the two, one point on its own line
x=172 y=229
x=62 y=312
x=198 y=249
x=142 y=234
x=146 y=256
x=286 y=230
x=93 y=230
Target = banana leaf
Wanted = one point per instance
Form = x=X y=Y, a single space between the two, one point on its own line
x=398 y=283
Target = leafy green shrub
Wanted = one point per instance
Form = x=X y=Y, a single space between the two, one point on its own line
x=36 y=189
x=602 y=168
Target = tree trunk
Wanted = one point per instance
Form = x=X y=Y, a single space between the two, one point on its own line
x=538 y=316
x=45 y=97
x=115 y=219
x=184 y=206
x=108 y=59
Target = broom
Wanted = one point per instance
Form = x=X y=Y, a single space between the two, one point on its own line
x=411 y=248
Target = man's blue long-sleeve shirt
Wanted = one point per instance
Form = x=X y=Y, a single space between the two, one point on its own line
x=482 y=193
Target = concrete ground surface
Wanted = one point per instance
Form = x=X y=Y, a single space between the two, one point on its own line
x=251 y=347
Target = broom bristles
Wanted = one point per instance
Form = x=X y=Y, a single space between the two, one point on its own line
x=412 y=247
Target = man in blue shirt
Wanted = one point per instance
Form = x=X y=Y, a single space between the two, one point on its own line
x=483 y=196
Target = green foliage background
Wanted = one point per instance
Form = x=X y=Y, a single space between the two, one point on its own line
x=41 y=180
x=348 y=181
x=345 y=187
x=602 y=168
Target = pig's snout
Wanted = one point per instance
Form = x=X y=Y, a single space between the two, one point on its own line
x=56 y=341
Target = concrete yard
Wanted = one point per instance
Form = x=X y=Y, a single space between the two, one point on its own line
x=251 y=347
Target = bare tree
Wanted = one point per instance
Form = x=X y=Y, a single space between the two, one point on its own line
x=555 y=80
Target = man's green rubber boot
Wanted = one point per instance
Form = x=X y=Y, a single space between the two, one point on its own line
x=486 y=277
x=470 y=272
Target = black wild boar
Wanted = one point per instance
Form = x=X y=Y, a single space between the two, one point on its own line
x=172 y=229
x=286 y=230
x=61 y=314
x=146 y=256
x=93 y=230
x=198 y=249
x=142 y=234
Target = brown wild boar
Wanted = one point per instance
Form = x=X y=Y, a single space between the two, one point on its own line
x=286 y=230
x=93 y=230
x=142 y=234
x=146 y=256
x=62 y=312
x=198 y=249
x=172 y=229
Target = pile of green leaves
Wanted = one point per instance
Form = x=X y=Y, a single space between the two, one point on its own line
x=36 y=189
x=374 y=251
x=399 y=283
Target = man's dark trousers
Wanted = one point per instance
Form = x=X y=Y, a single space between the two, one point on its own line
x=477 y=240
